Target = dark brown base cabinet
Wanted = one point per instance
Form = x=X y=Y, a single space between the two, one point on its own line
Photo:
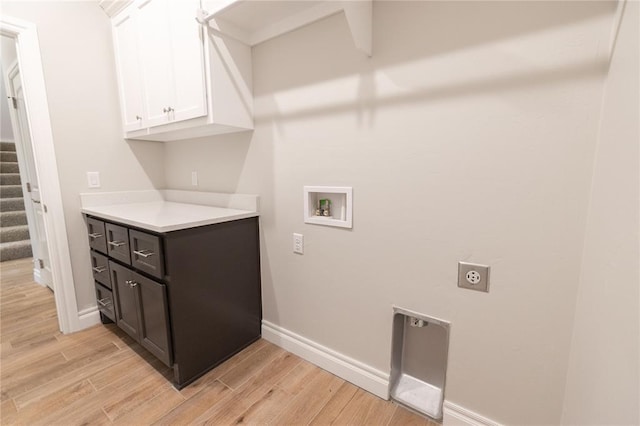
x=190 y=297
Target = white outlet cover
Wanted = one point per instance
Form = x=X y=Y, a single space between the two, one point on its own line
x=93 y=179
x=298 y=243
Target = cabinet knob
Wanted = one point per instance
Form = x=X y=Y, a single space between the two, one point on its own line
x=138 y=118
x=131 y=283
x=167 y=110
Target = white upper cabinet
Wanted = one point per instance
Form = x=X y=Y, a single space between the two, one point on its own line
x=125 y=41
x=170 y=76
x=158 y=85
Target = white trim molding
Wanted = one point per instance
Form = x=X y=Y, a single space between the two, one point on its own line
x=35 y=96
x=89 y=317
x=455 y=415
x=351 y=370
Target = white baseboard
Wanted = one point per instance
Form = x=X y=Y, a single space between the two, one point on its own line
x=37 y=277
x=88 y=317
x=358 y=373
x=349 y=369
x=455 y=415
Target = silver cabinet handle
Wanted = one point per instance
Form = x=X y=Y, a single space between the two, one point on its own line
x=166 y=110
x=131 y=283
x=116 y=243
x=104 y=302
x=36 y=201
x=138 y=118
x=95 y=235
x=144 y=253
x=99 y=269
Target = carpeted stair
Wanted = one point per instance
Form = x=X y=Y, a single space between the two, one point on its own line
x=14 y=233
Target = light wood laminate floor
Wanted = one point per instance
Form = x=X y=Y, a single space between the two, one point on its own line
x=100 y=376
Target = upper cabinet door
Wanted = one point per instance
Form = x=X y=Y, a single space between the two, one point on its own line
x=188 y=60
x=156 y=61
x=125 y=41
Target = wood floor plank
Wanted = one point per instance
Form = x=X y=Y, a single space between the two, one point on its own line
x=332 y=409
x=210 y=396
x=365 y=408
x=252 y=391
x=404 y=417
x=250 y=366
x=153 y=410
x=308 y=403
x=56 y=401
x=53 y=374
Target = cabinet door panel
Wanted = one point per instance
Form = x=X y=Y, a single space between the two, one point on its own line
x=188 y=61
x=125 y=41
x=156 y=61
x=154 y=318
x=125 y=300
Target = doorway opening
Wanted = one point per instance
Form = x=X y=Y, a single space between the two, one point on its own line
x=22 y=232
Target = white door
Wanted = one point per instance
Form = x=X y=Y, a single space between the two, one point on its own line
x=125 y=41
x=31 y=188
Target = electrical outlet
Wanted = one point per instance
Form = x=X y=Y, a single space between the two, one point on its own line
x=473 y=276
x=298 y=243
x=93 y=179
x=194 y=178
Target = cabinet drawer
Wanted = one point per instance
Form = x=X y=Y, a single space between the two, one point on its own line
x=118 y=242
x=100 y=268
x=146 y=253
x=97 y=240
x=104 y=298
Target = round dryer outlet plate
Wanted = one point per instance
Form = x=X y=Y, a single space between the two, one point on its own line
x=473 y=277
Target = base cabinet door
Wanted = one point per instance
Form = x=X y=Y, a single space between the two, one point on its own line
x=154 y=317
x=125 y=299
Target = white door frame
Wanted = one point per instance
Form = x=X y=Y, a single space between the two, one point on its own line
x=35 y=97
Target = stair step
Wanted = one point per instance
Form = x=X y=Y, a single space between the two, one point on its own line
x=14 y=233
x=15 y=250
x=9 y=179
x=11 y=204
x=7 y=146
x=10 y=191
x=9 y=167
x=13 y=218
x=8 y=156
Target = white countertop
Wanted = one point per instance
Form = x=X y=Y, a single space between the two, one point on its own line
x=165 y=216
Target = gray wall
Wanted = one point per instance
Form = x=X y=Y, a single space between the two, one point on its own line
x=469 y=135
x=603 y=383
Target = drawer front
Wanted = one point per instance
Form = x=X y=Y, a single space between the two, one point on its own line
x=104 y=297
x=100 y=268
x=118 y=242
x=97 y=236
x=146 y=253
